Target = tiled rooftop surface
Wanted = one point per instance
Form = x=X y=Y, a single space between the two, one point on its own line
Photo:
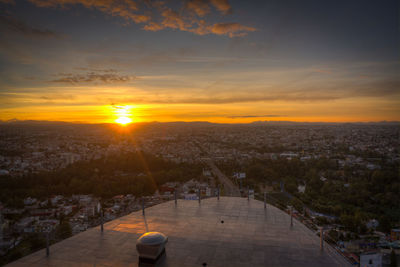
x=249 y=236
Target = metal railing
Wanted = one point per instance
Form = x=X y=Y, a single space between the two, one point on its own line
x=312 y=226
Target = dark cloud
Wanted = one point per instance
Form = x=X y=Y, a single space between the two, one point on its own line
x=95 y=69
x=11 y=24
x=126 y=9
x=105 y=77
x=378 y=88
x=7 y=1
x=156 y=15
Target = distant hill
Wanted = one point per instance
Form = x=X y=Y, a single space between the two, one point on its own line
x=183 y=123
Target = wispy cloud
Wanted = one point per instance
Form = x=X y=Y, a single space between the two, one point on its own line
x=95 y=69
x=203 y=7
x=99 y=76
x=238 y=98
x=11 y=24
x=126 y=9
x=222 y=5
x=156 y=15
x=324 y=71
x=200 y=7
x=231 y=29
x=7 y=1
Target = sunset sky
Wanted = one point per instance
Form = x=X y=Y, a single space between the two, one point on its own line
x=198 y=60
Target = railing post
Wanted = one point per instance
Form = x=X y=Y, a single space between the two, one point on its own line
x=248 y=193
x=199 y=194
x=176 y=201
x=265 y=200
x=321 y=236
x=291 y=216
x=47 y=243
x=218 y=192
x=142 y=206
x=101 y=219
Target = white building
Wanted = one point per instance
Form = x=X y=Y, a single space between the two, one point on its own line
x=301 y=188
x=239 y=175
x=371 y=259
x=29 y=201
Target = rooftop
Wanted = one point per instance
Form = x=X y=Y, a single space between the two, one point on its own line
x=230 y=232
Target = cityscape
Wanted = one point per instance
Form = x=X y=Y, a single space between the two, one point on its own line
x=330 y=175
x=213 y=133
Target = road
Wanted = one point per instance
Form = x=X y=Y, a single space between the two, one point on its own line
x=230 y=188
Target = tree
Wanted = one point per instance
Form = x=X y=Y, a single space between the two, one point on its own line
x=37 y=242
x=321 y=220
x=291 y=187
x=256 y=172
x=297 y=204
x=384 y=224
x=64 y=230
x=334 y=235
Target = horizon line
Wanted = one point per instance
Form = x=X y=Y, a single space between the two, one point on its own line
x=11 y=121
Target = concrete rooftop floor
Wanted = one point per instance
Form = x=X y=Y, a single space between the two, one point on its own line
x=249 y=236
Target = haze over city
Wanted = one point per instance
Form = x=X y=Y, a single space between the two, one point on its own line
x=218 y=61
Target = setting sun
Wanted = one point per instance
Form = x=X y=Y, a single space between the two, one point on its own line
x=123 y=114
x=123 y=120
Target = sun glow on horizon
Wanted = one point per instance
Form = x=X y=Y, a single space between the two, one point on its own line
x=123 y=114
x=123 y=120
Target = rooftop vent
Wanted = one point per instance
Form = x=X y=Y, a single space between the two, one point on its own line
x=151 y=247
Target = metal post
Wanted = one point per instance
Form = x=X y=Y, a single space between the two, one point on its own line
x=143 y=206
x=176 y=201
x=321 y=234
x=218 y=192
x=248 y=193
x=199 y=196
x=265 y=200
x=291 y=216
x=101 y=219
x=47 y=243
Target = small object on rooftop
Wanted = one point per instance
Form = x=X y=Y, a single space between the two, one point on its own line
x=204 y=264
x=151 y=246
x=222 y=221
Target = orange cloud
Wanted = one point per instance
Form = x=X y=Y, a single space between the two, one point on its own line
x=153 y=26
x=173 y=20
x=167 y=17
x=200 y=7
x=122 y=8
x=140 y=18
x=231 y=29
x=222 y=5
x=103 y=5
x=202 y=28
